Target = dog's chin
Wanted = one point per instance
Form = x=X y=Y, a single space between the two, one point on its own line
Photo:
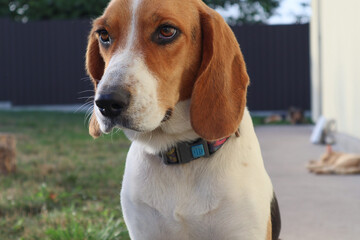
x=133 y=129
x=107 y=125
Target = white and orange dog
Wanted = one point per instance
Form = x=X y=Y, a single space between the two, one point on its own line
x=335 y=163
x=170 y=73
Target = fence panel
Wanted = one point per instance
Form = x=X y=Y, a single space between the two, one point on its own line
x=43 y=63
x=277 y=59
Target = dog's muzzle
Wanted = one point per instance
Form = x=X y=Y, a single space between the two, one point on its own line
x=112 y=104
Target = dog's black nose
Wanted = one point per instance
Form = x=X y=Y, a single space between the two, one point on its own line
x=112 y=104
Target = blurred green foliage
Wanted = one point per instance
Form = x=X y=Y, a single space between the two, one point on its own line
x=251 y=11
x=51 y=9
x=4 y=8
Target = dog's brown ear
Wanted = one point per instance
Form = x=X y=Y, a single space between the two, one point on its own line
x=95 y=68
x=219 y=94
x=94 y=128
x=95 y=64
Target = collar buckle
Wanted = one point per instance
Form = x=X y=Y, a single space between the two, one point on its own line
x=185 y=152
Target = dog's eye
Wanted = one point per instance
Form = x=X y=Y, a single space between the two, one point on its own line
x=104 y=37
x=167 y=32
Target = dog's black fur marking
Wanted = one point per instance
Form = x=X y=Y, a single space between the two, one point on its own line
x=275 y=218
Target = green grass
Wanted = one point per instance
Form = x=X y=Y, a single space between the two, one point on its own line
x=67 y=184
x=261 y=121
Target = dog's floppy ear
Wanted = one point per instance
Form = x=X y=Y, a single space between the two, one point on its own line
x=219 y=93
x=94 y=62
x=94 y=128
x=95 y=68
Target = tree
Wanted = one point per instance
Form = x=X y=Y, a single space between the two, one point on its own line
x=4 y=8
x=303 y=17
x=250 y=11
x=53 y=9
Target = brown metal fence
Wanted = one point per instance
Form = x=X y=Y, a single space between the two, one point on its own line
x=43 y=63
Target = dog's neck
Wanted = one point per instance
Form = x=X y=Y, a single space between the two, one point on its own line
x=176 y=129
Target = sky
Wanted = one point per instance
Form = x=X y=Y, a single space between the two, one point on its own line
x=284 y=14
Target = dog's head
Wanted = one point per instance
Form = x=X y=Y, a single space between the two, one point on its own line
x=144 y=56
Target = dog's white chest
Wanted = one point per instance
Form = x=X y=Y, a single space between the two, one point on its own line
x=199 y=200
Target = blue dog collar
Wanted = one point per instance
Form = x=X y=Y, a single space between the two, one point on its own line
x=185 y=152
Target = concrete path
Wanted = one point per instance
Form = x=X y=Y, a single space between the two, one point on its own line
x=312 y=207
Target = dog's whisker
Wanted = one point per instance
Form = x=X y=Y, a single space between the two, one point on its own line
x=87 y=98
x=83 y=106
x=88 y=90
x=85 y=79
x=89 y=119
x=88 y=115
x=89 y=111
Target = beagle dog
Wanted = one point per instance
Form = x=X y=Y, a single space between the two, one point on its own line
x=170 y=73
x=332 y=162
